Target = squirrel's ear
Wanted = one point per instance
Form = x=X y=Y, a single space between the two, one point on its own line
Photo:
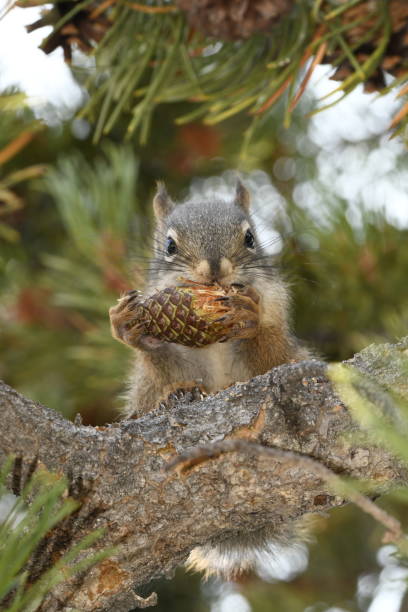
x=242 y=197
x=162 y=203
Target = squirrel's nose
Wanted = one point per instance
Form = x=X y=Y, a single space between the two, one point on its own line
x=213 y=269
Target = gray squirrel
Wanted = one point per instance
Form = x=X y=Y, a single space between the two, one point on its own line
x=209 y=241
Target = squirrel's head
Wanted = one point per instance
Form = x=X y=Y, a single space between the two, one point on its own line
x=205 y=240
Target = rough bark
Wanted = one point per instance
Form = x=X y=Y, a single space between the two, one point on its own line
x=155 y=515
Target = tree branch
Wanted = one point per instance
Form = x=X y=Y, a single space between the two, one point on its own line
x=156 y=516
x=186 y=460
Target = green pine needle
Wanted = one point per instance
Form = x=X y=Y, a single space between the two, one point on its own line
x=150 y=58
x=40 y=508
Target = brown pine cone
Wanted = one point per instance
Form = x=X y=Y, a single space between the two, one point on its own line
x=395 y=58
x=191 y=314
x=84 y=29
x=233 y=19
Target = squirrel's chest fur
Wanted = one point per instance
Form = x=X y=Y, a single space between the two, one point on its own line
x=215 y=366
x=155 y=375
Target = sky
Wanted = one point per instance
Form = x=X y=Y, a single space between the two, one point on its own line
x=44 y=78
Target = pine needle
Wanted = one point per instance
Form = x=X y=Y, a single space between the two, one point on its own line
x=15 y=146
x=316 y=61
x=151 y=10
x=402 y=114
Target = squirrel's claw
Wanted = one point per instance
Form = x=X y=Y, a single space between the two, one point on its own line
x=126 y=328
x=123 y=325
x=243 y=315
x=243 y=328
x=246 y=291
x=183 y=394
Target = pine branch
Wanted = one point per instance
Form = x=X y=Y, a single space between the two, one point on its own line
x=221 y=59
x=156 y=517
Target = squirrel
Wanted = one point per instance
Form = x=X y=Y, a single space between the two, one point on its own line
x=209 y=241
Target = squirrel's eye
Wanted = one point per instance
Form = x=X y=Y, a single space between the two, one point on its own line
x=171 y=246
x=249 y=240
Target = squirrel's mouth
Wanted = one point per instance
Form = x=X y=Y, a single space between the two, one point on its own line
x=210 y=270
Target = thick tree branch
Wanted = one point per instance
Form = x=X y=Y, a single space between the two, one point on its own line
x=156 y=516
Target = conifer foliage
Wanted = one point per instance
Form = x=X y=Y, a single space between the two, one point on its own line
x=37 y=514
x=223 y=58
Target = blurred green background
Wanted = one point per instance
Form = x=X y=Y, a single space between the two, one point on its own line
x=74 y=221
x=76 y=235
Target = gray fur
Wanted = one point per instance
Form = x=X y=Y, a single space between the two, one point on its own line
x=162 y=203
x=217 y=233
x=242 y=197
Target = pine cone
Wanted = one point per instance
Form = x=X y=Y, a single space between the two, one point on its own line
x=86 y=27
x=233 y=19
x=192 y=314
x=395 y=59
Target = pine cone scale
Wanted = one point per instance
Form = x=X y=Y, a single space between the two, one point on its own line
x=395 y=58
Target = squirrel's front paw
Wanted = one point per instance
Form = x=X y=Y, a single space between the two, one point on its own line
x=125 y=325
x=182 y=394
x=244 y=312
